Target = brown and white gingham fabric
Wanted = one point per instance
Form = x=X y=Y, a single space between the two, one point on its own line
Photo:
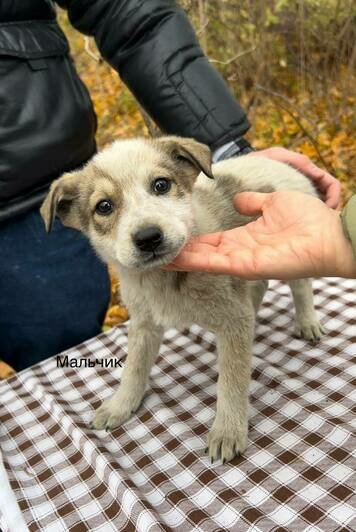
x=151 y=474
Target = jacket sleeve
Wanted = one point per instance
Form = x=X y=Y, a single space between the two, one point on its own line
x=152 y=45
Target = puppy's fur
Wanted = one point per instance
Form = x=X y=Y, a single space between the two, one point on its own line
x=157 y=299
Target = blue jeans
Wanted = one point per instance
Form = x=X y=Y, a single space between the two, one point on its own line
x=54 y=291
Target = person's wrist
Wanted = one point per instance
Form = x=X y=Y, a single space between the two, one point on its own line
x=234 y=148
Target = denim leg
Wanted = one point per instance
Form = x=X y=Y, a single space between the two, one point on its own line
x=54 y=291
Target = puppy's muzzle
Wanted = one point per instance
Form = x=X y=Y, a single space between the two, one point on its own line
x=148 y=239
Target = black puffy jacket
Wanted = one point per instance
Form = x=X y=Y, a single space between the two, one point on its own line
x=47 y=122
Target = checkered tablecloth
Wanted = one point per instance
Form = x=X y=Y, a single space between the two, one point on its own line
x=151 y=474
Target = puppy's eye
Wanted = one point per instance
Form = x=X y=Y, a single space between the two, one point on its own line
x=104 y=207
x=161 y=185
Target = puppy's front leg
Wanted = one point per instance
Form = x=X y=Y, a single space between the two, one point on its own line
x=228 y=435
x=307 y=324
x=144 y=339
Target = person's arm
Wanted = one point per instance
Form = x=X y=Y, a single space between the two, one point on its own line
x=152 y=45
x=295 y=236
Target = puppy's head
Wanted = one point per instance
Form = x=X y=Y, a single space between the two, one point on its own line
x=132 y=200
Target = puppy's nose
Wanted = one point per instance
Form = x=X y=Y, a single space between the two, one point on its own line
x=149 y=238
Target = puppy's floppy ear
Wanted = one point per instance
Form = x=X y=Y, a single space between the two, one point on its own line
x=189 y=151
x=62 y=200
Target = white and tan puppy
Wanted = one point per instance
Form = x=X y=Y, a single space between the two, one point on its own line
x=139 y=202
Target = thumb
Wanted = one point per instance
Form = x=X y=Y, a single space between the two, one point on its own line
x=250 y=203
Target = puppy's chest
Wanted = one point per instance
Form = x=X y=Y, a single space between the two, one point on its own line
x=177 y=305
x=180 y=300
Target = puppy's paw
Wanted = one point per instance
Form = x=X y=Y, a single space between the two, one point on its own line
x=226 y=442
x=309 y=330
x=114 y=412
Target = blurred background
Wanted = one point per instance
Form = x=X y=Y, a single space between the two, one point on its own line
x=290 y=63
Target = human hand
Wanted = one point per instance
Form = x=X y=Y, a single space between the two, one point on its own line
x=296 y=236
x=328 y=186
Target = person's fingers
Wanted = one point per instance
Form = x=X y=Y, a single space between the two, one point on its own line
x=241 y=264
x=328 y=185
x=189 y=261
x=198 y=247
x=207 y=243
x=278 y=153
x=322 y=185
x=333 y=194
x=303 y=164
x=250 y=203
x=211 y=239
x=308 y=168
x=283 y=155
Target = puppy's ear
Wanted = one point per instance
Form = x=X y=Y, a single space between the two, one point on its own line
x=189 y=151
x=62 y=200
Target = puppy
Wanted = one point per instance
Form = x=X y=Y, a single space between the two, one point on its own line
x=139 y=202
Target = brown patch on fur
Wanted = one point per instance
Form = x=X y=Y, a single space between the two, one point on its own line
x=266 y=189
x=189 y=158
x=179 y=190
x=73 y=198
x=168 y=169
x=99 y=172
x=106 y=188
x=62 y=195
